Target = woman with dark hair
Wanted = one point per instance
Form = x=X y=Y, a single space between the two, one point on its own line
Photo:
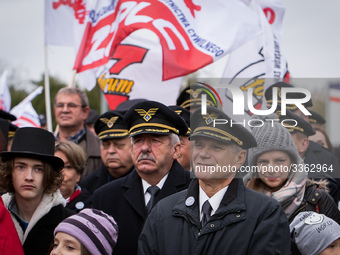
x=77 y=198
x=31 y=176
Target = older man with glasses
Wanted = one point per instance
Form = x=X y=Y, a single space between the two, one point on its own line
x=71 y=109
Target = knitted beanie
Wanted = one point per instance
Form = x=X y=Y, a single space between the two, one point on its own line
x=270 y=135
x=313 y=232
x=94 y=229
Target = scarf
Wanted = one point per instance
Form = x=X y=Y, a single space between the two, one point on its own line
x=289 y=196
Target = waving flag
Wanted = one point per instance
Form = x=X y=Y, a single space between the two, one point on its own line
x=25 y=113
x=65 y=22
x=137 y=48
x=260 y=62
x=5 y=95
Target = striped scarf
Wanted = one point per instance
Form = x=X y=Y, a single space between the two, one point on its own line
x=289 y=196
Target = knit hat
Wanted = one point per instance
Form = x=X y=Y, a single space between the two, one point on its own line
x=94 y=229
x=270 y=135
x=313 y=232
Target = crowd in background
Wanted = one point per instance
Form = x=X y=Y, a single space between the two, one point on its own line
x=135 y=180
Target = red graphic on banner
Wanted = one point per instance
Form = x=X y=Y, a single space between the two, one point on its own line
x=103 y=35
x=192 y=7
x=270 y=14
x=127 y=55
x=77 y=5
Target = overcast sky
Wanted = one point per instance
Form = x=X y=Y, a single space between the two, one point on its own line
x=310 y=43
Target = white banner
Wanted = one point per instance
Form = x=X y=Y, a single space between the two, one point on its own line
x=257 y=64
x=65 y=22
x=138 y=48
x=25 y=113
x=5 y=95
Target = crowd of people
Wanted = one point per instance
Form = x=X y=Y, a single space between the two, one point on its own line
x=147 y=178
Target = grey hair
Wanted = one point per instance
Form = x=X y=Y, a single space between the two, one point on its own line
x=236 y=148
x=71 y=91
x=174 y=138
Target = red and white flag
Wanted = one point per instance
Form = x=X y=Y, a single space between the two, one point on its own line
x=25 y=113
x=142 y=48
x=258 y=63
x=5 y=95
x=65 y=22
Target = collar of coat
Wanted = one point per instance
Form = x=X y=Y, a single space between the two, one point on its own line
x=233 y=202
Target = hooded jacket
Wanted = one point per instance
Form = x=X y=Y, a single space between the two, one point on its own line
x=39 y=233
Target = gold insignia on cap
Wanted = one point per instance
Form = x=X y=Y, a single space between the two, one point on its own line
x=178 y=112
x=109 y=122
x=194 y=93
x=209 y=118
x=147 y=115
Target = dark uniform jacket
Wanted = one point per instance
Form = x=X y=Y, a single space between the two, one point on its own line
x=246 y=222
x=319 y=156
x=82 y=201
x=98 y=178
x=123 y=199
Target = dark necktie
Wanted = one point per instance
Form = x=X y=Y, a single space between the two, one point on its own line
x=206 y=209
x=153 y=190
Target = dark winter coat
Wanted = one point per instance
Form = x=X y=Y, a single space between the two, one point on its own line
x=82 y=201
x=319 y=156
x=123 y=199
x=91 y=147
x=317 y=199
x=246 y=222
x=98 y=178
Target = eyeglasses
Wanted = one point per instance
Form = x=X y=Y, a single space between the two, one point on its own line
x=68 y=105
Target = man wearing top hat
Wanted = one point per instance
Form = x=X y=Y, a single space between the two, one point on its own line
x=115 y=151
x=313 y=154
x=31 y=176
x=154 y=130
x=216 y=214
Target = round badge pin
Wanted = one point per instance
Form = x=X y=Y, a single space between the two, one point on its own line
x=80 y=205
x=190 y=201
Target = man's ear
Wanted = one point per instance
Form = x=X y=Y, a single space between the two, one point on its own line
x=240 y=158
x=86 y=111
x=304 y=144
x=177 y=151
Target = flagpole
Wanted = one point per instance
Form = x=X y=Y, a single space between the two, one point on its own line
x=74 y=72
x=47 y=94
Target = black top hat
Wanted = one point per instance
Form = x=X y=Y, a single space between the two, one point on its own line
x=184 y=113
x=295 y=123
x=154 y=117
x=269 y=96
x=202 y=125
x=111 y=125
x=37 y=143
x=192 y=96
x=316 y=118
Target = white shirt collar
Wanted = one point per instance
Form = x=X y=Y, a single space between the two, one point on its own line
x=214 y=201
x=147 y=185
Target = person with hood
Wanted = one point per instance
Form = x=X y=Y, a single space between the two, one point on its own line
x=281 y=174
x=31 y=176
